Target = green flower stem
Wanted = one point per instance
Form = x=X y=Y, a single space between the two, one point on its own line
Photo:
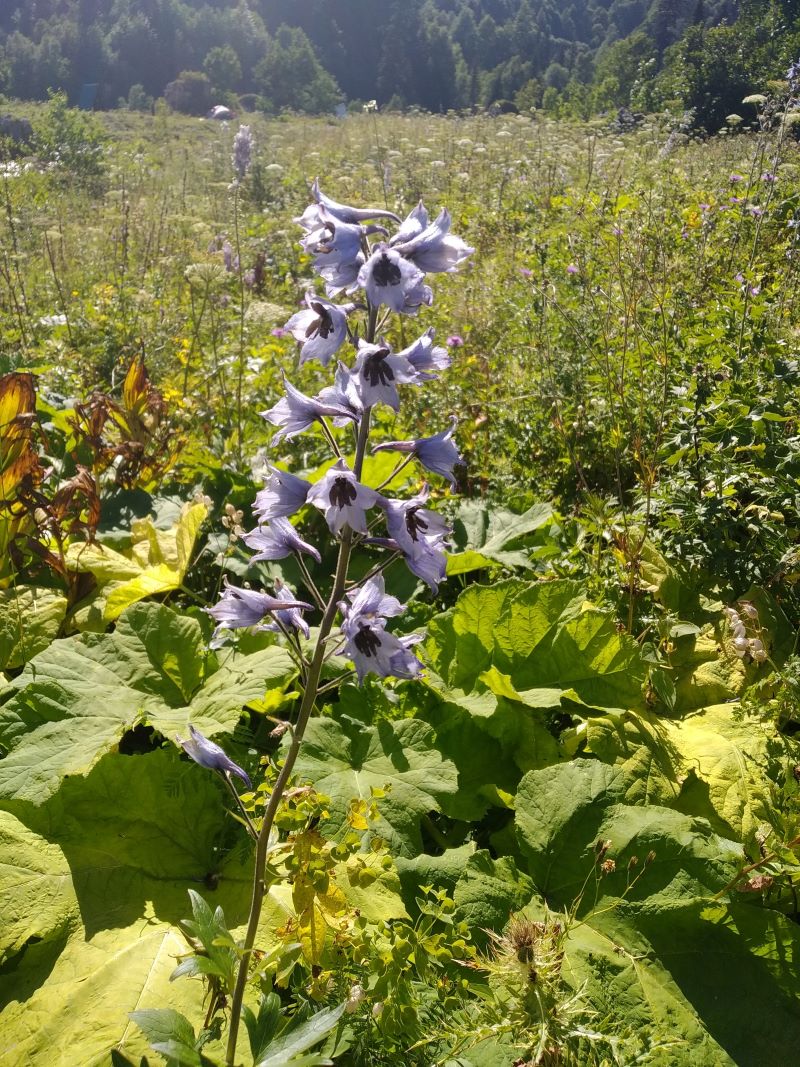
x=306 y=707
x=403 y=463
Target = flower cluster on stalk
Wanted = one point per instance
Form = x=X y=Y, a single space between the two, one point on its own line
x=353 y=250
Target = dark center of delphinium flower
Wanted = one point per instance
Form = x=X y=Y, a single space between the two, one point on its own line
x=325 y=245
x=415 y=522
x=377 y=370
x=367 y=642
x=386 y=271
x=342 y=493
x=323 y=325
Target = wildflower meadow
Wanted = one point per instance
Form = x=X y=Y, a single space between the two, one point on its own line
x=399 y=591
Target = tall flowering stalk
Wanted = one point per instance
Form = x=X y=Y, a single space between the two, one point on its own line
x=353 y=250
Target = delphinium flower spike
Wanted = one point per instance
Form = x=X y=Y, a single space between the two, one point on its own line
x=242 y=152
x=351 y=248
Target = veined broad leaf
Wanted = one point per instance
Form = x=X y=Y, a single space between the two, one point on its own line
x=97 y=885
x=486 y=537
x=345 y=759
x=30 y=618
x=564 y=810
x=536 y=637
x=75 y=700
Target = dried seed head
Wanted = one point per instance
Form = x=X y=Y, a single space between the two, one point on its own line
x=608 y=866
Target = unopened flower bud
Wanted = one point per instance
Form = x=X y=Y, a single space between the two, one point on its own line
x=748 y=609
x=649 y=857
x=756 y=645
x=377 y=1010
x=354 y=998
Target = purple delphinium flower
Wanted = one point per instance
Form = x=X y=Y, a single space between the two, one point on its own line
x=420 y=535
x=572 y=269
x=454 y=341
x=368 y=603
x=435 y=250
x=734 y=178
x=278 y=331
x=437 y=454
x=290 y=618
x=412 y=225
x=390 y=279
x=377 y=373
x=238 y=609
x=344 y=394
x=425 y=357
x=242 y=152
x=277 y=541
x=368 y=645
x=336 y=247
x=282 y=496
x=343 y=499
x=309 y=220
x=295 y=412
x=374 y=651
x=321 y=329
x=210 y=755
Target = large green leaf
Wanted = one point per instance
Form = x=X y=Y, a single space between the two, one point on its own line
x=702 y=983
x=29 y=620
x=725 y=755
x=345 y=759
x=489 y=890
x=75 y=700
x=535 y=642
x=492 y=537
x=96 y=885
x=564 y=810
